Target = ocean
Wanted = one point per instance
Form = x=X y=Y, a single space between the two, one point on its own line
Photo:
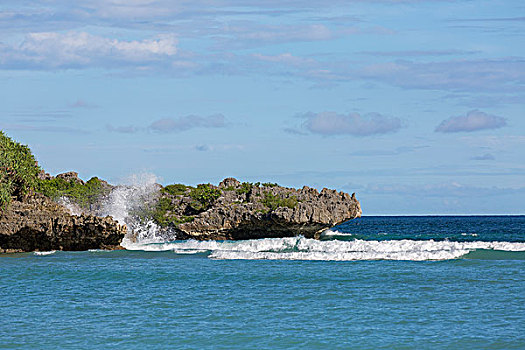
x=437 y=282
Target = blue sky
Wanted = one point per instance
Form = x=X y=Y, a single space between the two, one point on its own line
x=417 y=106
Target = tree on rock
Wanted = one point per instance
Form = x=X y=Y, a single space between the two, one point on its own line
x=18 y=170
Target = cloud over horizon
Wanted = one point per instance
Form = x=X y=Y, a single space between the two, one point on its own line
x=167 y=125
x=332 y=123
x=473 y=121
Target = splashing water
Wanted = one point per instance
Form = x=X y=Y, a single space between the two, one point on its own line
x=71 y=207
x=127 y=202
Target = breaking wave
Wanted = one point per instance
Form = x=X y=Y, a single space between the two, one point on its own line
x=300 y=248
x=51 y=252
x=126 y=204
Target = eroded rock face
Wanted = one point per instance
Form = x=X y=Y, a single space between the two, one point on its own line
x=252 y=212
x=39 y=224
x=70 y=176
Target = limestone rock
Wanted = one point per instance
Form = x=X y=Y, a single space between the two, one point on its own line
x=248 y=211
x=38 y=224
x=70 y=176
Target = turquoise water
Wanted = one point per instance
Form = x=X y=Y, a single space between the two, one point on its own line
x=341 y=293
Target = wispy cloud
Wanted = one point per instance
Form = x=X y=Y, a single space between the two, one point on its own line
x=286 y=58
x=171 y=125
x=467 y=75
x=202 y=148
x=41 y=116
x=473 y=121
x=168 y=125
x=250 y=34
x=82 y=104
x=332 y=123
x=486 y=100
x=445 y=190
x=80 y=49
x=490 y=19
x=128 y=129
x=486 y=156
x=387 y=152
x=416 y=53
x=119 y=35
x=45 y=128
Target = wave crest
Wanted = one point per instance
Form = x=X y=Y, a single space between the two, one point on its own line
x=300 y=248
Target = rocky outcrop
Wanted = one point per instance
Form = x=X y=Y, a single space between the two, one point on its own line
x=251 y=211
x=38 y=224
x=70 y=176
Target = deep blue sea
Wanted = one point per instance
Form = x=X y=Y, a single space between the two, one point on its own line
x=372 y=283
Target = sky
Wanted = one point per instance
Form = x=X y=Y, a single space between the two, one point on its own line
x=417 y=105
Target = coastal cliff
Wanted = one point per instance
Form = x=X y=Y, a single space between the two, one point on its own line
x=235 y=211
x=36 y=223
x=31 y=221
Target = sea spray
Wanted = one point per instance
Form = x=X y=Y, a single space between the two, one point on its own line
x=71 y=207
x=128 y=204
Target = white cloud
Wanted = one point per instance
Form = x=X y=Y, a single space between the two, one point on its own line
x=285 y=58
x=486 y=156
x=77 y=49
x=188 y=122
x=473 y=121
x=331 y=123
x=505 y=74
x=278 y=33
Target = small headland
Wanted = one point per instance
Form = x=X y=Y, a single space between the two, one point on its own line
x=40 y=212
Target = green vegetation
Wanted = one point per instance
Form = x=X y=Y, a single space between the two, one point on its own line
x=19 y=176
x=176 y=189
x=84 y=195
x=246 y=187
x=163 y=215
x=204 y=196
x=18 y=170
x=273 y=201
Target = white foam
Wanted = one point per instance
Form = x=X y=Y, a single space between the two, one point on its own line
x=300 y=248
x=125 y=201
x=71 y=207
x=130 y=196
x=469 y=234
x=45 y=253
x=334 y=233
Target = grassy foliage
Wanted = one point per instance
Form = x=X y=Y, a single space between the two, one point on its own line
x=273 y=201
x=269 y=184
x=163 y=216
x=84 y=195
x=204 y=196
x=18 y=170
x=176 y=189
x=246 y=187
x=5 y=192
